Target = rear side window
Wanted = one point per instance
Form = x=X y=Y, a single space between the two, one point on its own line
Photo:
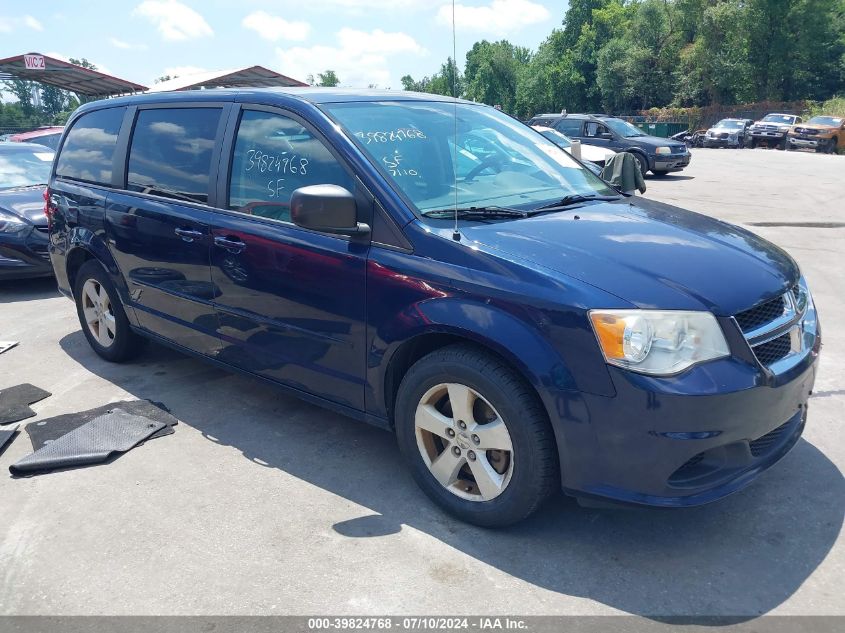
x=88 y=150
x=274 y=155
x=170 y=153
x=570 y=127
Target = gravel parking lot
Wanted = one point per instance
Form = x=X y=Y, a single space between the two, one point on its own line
x=261 y=504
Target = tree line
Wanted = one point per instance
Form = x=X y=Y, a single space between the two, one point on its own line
x=623 y=56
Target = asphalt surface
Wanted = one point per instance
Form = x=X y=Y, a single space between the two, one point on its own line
x=262 y=504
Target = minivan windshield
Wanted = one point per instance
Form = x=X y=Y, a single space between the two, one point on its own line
x=623 y=128
x=443 y=155
x=25 y=167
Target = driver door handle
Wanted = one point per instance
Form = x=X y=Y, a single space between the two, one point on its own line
x=231 y=244
x=188 y=235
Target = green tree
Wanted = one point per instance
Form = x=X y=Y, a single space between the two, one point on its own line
x=491 y=74
x=328 y=79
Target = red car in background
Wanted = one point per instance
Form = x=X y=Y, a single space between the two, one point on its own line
x=48 y=136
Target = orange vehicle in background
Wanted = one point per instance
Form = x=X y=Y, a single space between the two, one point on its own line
x=825 y=134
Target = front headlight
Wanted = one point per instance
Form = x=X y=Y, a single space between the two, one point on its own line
x=663 y=151
x=658 y=342
x=11 y=223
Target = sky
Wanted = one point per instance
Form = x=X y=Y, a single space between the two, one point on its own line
x=364 y=41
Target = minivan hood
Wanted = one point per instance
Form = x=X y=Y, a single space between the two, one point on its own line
x=648 y=253
x=25 y=202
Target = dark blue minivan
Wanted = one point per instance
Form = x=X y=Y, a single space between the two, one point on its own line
x=437 y=268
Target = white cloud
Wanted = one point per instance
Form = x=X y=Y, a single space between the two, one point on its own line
x=32 y=23
x=360 y=59
x=126 y=45
x=183 y=71
x=274 y=28
x=500 y=17
x=7 y=25
x=174 y=20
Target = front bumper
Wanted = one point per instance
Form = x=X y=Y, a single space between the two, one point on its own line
x=721 y=142
x=769 y=135
x=672 y=162
x=804 y=141
x=692 y=439
x=25 y=254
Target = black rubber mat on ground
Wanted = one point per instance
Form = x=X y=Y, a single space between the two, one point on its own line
x=6 y=436
x=91 y=443
x=42 y=432
x=15 y=401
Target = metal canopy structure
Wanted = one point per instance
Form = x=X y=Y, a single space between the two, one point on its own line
x=55 y=72
x=252 y=77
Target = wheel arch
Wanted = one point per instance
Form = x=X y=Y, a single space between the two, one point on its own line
x=527 y=352
x=86 y=245
x=639 y=151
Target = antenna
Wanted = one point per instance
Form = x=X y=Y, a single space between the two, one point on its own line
x=456 y=234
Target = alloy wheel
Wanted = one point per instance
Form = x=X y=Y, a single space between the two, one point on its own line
x=98 y=312
x=464 y=442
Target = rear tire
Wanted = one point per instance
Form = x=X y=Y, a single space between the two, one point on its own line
x=102 y=316
x=496 y=467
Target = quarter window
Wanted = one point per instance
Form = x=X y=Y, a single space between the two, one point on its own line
x=275 y=155
x=88 y=150
x=171 y=152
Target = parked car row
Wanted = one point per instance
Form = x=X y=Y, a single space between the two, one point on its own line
x=48 y=136
x=824 y=134
x=654 y=153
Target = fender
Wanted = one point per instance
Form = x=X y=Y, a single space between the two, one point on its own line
x=526 y=350
x=95 y=246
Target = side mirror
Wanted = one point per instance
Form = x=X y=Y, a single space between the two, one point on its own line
x=606 y=135
x=326 y=208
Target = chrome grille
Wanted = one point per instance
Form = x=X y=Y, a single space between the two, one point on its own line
x=774 y=328
x=761 y=314
x=771 y=351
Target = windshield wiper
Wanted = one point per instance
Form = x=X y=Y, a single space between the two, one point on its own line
x=568 y=201
x=465 y=213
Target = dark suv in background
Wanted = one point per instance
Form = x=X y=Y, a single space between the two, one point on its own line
x=654 y=153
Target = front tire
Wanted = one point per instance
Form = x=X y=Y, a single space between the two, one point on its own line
x=476 y=437
x=643 y=161
x=102 y=316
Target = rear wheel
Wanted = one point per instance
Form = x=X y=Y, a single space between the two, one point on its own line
x=101 y=315
x=477 y=440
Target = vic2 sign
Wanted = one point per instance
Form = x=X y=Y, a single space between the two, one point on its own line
x=34 y=62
